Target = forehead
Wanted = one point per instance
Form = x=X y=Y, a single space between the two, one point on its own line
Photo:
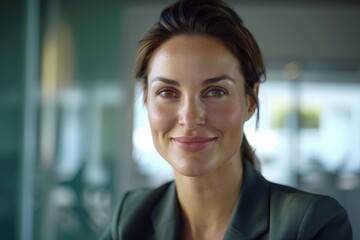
x=188 y=44
x=198 y=53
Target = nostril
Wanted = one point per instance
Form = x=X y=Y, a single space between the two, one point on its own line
x=191 y=118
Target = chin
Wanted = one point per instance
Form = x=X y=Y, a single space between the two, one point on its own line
x=191 y=167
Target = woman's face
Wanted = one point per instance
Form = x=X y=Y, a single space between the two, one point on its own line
x=197 y=105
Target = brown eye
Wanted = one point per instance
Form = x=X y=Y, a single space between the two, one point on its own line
x=167 y=93
x=215 y=92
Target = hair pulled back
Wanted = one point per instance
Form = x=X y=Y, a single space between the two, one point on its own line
x=209 y=18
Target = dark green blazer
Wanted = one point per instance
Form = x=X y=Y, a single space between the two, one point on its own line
x=264 y=210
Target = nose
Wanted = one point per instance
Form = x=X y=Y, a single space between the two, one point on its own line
x=191 y=113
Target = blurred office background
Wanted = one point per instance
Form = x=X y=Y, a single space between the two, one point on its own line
x=74 y=133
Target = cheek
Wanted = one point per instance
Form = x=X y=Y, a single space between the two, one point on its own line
x=161 y=119
x=227 y=118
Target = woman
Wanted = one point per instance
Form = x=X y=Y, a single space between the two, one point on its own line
x=200 y=69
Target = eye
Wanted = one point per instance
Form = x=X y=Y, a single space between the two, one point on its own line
x=167 y=93
x=215 y=92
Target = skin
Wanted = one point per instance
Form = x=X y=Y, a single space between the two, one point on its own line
x=197 y=108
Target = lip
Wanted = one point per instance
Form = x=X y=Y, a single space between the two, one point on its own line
x=193 y=144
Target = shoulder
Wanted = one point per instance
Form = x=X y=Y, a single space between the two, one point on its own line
x=134 y=212
x=288 y=198
x=307 y=215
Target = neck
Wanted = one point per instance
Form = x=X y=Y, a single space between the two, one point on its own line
x=208 y=201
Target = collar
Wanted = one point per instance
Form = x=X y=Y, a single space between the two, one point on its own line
x=166 y=217
x=249 y=220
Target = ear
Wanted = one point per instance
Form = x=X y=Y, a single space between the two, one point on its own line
x=145 y=94
x=250 y=102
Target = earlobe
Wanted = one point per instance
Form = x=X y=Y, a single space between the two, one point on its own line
x=252 y=103
x=250 y=108
x=256 y=89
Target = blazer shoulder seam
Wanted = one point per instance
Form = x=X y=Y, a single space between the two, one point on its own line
x=312 y=202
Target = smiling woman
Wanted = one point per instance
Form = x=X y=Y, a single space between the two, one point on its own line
x=200 y=69
x=197 y=117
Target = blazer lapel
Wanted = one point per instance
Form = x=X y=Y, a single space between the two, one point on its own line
x=166 y=216
x=250 y=219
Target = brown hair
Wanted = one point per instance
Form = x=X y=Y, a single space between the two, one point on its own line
x=210 y=18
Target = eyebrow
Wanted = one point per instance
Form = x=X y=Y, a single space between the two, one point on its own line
x=166 y=80
x=217 y=79
x=206 y=82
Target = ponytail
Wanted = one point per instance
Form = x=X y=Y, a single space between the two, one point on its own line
x=248 y=153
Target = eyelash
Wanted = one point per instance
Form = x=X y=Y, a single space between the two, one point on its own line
x=163 y=91
x=215 y=89
x=206 y=94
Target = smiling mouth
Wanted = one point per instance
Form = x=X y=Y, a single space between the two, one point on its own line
x=193 y=144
